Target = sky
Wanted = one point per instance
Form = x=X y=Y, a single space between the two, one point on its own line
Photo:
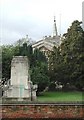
x=34 y=18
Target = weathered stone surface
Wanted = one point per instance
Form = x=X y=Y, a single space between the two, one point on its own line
x=19 y=71
x=20 y=85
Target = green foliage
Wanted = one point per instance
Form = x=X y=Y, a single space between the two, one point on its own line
x=37 y=61
x=66 y=63
x=38 y=57
x=26 y=51
x=73 y=51
x=68 y=58
x=56 y=65
x=39 y=70
x=7 y=53
x=39 y=76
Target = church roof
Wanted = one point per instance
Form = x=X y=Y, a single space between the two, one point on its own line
x=47 y=42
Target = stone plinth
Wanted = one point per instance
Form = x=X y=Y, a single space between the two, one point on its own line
x=20 y=85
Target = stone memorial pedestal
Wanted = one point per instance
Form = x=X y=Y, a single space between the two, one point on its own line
x=20 y=85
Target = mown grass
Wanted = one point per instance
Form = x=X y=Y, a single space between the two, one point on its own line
x=60 y=96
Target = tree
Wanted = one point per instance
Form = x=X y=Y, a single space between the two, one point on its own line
x=37 y=61
x=39 y=76
x=26 y=51
x=72 y=51
x=56 y=68
x=39 y=70
x=66 y=62
x=7 y=54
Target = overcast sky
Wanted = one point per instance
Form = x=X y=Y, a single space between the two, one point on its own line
x=35 y=18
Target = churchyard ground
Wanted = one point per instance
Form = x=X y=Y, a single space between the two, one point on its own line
x=60 y=96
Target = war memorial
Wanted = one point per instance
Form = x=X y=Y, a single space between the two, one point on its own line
x=20 y=87
x=20 y=100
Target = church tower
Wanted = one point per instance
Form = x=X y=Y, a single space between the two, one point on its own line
x=54 y=28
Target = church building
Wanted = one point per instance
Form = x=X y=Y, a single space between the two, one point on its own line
x=48 y=42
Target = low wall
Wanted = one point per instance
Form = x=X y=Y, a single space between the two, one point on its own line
x=43 y=110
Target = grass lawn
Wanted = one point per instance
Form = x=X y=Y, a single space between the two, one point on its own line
x=60 y=96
